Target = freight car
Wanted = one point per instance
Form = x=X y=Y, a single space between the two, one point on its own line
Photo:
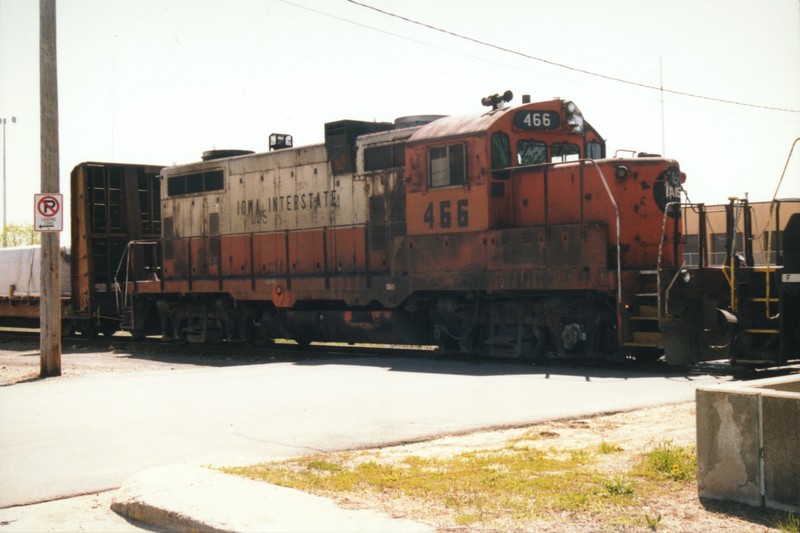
x=20 y=279
x=505 y=232
x=112 y=204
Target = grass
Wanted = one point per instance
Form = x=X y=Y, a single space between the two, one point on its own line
x=788 y=524
x=515 y=484
x=522 y=485
x=669 y=461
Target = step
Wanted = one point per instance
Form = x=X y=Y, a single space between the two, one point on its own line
x=634 y=344
x=763 y=331
x=764 y=300
x=646 y=336
x=647 y=295
x=648 y=311
x=644 y=339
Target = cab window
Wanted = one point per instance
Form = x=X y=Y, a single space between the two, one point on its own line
x=560 y=152
x=447 y=165
x=595 y=150
x=531 y=153
x=501 y=155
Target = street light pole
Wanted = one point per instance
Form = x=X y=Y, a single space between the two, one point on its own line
x=5 y=196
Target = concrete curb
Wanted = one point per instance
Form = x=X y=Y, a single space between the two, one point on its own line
x=193 y=498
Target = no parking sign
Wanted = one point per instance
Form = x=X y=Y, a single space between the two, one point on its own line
x=48 y=214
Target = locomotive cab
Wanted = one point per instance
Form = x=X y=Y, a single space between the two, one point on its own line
x=461 y=168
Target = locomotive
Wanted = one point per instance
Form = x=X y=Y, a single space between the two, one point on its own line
x=506 y=232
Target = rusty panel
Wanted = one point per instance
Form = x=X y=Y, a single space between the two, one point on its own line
x=269 y=254
x=235 y=255
x=519 y=259
x=378 y=262
x=169 y=267
x=199 y=258
x=182 y=264
x=307 y=253
x=347 y=248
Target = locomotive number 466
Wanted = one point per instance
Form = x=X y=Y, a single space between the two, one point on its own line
x=445 y=214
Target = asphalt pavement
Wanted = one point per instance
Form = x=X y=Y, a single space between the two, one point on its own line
x=151 y=432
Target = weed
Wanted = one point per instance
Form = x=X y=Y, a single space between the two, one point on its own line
x=580 y=456
x=323 y=466
x=608 y=447
x=669 y=461
x=788 y=524
x=652 y=521
x=619 y=487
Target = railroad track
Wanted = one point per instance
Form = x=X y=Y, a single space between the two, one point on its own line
x=232 y=354
x=271 y=352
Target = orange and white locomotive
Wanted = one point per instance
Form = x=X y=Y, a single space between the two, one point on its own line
x=505 y=232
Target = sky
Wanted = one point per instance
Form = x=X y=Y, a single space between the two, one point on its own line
x=161 y=81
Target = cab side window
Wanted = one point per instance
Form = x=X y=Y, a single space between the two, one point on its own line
x=501 y=155
x=595 y=150
x=447 y=165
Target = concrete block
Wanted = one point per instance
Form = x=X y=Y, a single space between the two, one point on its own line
x=728 y=446
x=781 y=430
x=748 y=442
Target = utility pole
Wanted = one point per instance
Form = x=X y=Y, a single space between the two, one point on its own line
x=663 y=127
x=50 y=301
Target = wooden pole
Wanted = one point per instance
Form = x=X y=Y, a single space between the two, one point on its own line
x=50 y=308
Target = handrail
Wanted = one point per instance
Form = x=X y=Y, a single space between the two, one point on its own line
x=125 y=259
x=769 y=226
x=667 y=209
x=616 y=215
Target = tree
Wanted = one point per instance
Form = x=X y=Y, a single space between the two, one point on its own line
x=19 y=235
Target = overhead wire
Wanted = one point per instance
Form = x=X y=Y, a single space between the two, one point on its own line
x=569 y=67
